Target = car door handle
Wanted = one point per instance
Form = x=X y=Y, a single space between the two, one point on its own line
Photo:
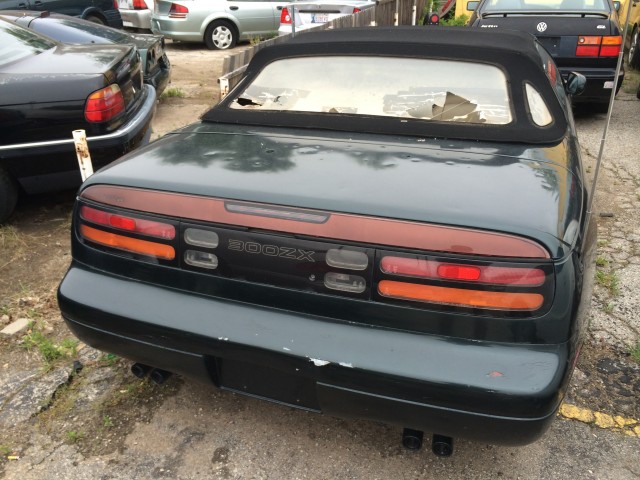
x=234 y=8
x=22 y=6
x=38 y=3
x=279 y=7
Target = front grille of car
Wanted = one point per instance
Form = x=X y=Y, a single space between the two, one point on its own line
x=352 y=264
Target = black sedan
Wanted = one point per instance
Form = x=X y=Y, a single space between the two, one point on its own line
x=103 y=12
x=582 y=36
x=385 y=223
x=47 y=90
x=155 y=63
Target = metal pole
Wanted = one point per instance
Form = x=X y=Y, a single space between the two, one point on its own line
x=396 y=15
x=413 y=12
x=293 y=20
x=606 y=126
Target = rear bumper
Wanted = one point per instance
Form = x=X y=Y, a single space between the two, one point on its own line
x=177 y=29
x=160 y=78
x=136 y=18
x=498 y=393
x=52 y=165
x=599 y=84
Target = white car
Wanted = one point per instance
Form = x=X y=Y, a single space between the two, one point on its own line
x=311 y=14
x=220 y=24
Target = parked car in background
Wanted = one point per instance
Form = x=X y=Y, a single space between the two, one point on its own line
x=136 y=13
x=104 y=12
x=633 y=32
x=48 y=90
x=220 y=24
x=155 y=64
x=581 y=35
x=414 y=249
x=318 y=12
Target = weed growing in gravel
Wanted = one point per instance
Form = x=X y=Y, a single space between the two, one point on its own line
x=608 y=308
x=601 y=262
x=50 y=352
x=635 y=352
x=608 y=280
x=172 y=92
x=73 y=436
x=107 y=421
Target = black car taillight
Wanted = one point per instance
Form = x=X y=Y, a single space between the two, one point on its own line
x=124 y=232
x=598 y=46
x=104 y=104
x=469 y=283
x=375 y=259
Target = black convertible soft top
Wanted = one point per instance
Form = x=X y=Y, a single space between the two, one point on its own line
x=515 y=53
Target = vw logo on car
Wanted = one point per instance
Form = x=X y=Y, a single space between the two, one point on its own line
x=541 y=27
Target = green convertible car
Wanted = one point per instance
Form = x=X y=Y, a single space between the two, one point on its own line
x=382 y=223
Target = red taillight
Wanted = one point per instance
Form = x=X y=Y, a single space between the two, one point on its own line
x=139 y=5
x=91 y=218
x=611 y=46
x=104 y=104
x=356 y=10
x=131 y=224
x=178 y=11
x=115 y=4
x=596 y=46
x=285 y=17
x=489 y=274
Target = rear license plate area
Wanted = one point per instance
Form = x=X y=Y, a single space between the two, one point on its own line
x=267 y=383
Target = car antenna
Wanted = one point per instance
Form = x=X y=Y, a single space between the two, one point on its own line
x=606 y=125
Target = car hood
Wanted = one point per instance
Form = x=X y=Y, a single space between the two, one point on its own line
x=505 y=188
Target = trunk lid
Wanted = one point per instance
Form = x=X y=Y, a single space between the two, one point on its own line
x=443 y=182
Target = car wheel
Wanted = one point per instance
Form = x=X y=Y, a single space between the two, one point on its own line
x=220 y=35
x=95 y=19
x=8 y=195
x=634 y=50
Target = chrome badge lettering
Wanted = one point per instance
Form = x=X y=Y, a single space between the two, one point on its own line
x=271 y=250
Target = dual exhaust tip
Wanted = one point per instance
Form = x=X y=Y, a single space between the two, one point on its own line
x=156 y=375
x=441 y=445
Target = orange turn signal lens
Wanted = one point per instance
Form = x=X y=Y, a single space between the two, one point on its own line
x=461 y=297
x=128 y=244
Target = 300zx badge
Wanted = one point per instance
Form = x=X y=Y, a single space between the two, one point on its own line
x=271 y=250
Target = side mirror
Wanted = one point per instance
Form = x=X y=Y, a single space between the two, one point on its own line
x=616 y=5
x=575 y=83
x=471 y=6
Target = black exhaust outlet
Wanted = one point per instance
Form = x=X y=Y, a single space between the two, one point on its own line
x=159 y=376
x=442 y=445
x=412 y=439
x=140 y=370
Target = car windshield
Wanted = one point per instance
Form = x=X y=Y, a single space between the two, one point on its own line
x=428 y=89
x=17 y=43
x=544 y=5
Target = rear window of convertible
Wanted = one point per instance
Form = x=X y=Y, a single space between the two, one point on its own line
x=427 y=89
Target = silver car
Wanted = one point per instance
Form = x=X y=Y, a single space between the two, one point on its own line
x=136 y=13
x=220 y=24
x=316 y=12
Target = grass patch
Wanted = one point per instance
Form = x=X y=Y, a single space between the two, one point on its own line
x=601 y=262
x=173 y=92
x=635 y=352
x=73 y=436
x=608 y=280
x=107 y=421
x=50 y=351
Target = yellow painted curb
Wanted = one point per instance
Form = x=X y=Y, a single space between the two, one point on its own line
x=628 y=426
